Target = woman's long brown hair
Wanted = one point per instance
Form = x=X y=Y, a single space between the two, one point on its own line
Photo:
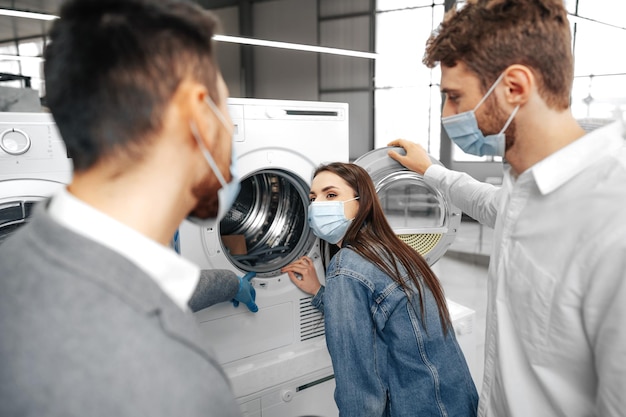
x=371 y=236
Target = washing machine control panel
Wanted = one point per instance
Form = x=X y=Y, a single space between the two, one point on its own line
x=31 y=147
x=30 y=136
x=14 y=141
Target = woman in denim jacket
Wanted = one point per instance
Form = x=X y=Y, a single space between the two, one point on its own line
x=388 y=329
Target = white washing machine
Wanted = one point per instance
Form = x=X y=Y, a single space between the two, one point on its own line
x=276 y=358
x=33 y=165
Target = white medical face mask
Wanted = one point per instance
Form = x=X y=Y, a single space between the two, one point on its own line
x=229 y=191
x=463 y=130
x=328 y=220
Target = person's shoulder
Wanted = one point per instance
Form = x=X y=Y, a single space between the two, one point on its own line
x=349 y=266
x=347 y=254
x=350 y=262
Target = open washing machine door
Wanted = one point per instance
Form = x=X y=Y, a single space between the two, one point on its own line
x=266 y=228
x=418 y=213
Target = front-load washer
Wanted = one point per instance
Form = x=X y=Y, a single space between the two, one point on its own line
x=276 y=358
x=33 y=165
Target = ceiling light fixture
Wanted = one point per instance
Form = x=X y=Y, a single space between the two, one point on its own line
x=295 y=46
x=224 y=38
x=27 y=15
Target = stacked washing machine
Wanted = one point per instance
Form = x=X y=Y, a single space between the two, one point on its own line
x=277 y=358
x=33 y=165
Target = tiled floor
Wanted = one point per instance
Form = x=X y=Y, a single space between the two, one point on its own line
x=463 y=273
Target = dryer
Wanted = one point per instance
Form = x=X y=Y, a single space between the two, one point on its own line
x=276 y=358
x=418 y=213
x=33 y=165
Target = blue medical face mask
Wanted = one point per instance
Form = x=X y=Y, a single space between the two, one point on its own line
x=463 y=129
x=328 y=220
x=229 y=191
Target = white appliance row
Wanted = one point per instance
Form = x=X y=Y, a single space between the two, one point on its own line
x=276 y=358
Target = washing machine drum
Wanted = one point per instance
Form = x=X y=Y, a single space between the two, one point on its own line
x=418 y=213
x=266 y=228
x=13 y=215
x=18 y=198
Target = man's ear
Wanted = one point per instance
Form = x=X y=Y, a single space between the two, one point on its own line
x=519 y=81
x=190 y=98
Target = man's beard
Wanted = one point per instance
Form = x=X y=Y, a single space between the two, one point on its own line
x=493 y=121
x=208 y=201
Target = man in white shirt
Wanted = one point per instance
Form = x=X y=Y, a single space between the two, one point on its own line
x=94 y=305
x=555 y=342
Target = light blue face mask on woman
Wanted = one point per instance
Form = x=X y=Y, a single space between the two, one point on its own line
x=228 y=193
x=463 y=130
x=328 y=220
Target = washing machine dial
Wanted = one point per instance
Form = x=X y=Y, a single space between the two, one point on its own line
x=14 y=141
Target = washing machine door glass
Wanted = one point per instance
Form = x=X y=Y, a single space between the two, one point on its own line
x=13 y=214
x=17 y=200
x=267 y=227
x=418 y=213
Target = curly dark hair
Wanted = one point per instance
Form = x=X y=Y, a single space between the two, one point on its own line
x=490 y=35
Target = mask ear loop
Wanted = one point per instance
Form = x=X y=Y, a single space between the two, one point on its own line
x=493 y=87
x=352 y=199
x=511 y=117
x=217 y=113
x=207 y=154
x=205 y=151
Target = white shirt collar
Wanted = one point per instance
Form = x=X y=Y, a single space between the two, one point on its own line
x=176 y=276
x=558 y=168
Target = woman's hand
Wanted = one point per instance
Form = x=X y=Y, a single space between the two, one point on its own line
x=302 y=273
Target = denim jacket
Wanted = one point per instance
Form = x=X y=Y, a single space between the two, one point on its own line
x=388 y=359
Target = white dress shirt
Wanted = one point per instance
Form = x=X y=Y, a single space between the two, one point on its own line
x=176 y=276
x=555 y=338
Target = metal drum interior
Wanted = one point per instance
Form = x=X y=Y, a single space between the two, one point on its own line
x=413 y=210
x=18 y=199
x=266 y=228
x=418 y=213
x=13 y=214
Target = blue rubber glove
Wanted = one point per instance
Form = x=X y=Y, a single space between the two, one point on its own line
x=246 y=293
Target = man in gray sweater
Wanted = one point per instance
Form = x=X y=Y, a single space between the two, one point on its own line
x=94 y=313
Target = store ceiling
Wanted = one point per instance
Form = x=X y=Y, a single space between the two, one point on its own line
x=12 y=28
